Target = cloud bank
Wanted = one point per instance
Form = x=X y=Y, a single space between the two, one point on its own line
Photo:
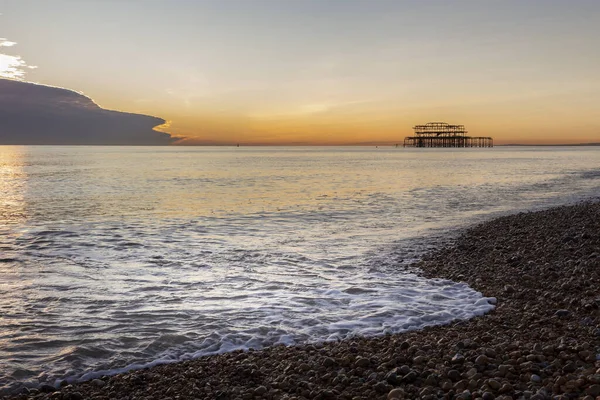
x=37 y=114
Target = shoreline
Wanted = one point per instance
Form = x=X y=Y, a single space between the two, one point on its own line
x=541 y=341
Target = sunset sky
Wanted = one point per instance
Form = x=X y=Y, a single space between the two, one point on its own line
x=320 y=72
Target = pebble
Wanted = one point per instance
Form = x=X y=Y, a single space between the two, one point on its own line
x=593 y=390
x=396 y=394
x=98 y=383
x=471 y=373
x=392 y=378
x=47 y=389
x=259 y=391
x=506 y=388
x=405 y=369
x=458 y=359
x=503 y=370
x=563 y=313
x=488 y=396
x=494 y=384
x=419 y=360
x=482 y=360
x=535 y=378
x=362 y=362
x=328 y=362
x=454 y=375
x=410 y=377
x=381 y=387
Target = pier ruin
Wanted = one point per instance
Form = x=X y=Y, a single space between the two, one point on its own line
x=441 y=134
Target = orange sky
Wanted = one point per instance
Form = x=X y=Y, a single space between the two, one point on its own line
x=313 y=72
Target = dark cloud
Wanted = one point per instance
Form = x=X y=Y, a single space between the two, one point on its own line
x=38 y=114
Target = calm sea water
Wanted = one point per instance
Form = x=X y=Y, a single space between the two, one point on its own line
x=112 y=258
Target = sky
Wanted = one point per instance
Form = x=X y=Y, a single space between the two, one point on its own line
x=320 y=72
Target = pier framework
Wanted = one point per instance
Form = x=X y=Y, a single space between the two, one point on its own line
x=441 y=134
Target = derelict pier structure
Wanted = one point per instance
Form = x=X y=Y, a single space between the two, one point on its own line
x=441 y=134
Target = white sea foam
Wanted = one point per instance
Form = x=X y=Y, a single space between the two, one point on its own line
x=389 y=319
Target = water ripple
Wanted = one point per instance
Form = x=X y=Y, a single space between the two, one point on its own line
x=121 y=263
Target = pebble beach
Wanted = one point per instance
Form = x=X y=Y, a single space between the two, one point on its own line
x=542 y=341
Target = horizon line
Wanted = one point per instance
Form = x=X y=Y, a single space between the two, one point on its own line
x=370 y=144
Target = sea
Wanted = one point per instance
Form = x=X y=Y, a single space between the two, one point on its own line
x=117 y=258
